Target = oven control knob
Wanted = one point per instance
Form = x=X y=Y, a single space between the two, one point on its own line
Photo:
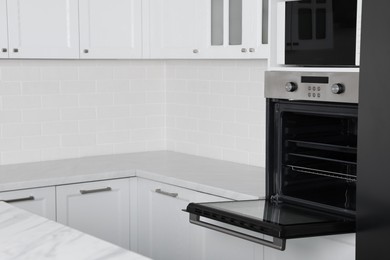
x=291 y=86
x=338 y=88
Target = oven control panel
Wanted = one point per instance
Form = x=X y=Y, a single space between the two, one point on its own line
x=313 y=86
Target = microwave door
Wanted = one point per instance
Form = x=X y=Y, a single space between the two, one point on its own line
x=280 y=221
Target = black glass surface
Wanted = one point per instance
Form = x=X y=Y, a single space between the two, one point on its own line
x=282 y=220
x=321 y=33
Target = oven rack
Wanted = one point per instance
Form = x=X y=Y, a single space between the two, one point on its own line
x=337 y=175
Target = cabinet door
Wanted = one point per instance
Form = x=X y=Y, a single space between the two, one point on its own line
x=178 y=28
x=339 y=247
x=236 y=29
x=164 y=231
x=40 y=201
x=110 y=29
x=3 y=30
x=43 y=28
x=97 y=208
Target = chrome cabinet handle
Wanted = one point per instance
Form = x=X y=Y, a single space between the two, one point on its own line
x=4 y=50
x=243 y=50
x=95 y=190
x=252 y=50
x=173 y=195
x=16 y=50
x=195 y=51
x=19 y=199
x=86 y=51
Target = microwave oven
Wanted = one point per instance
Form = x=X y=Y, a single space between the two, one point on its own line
x=322 y=33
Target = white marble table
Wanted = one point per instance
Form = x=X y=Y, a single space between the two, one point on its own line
x=25 y=236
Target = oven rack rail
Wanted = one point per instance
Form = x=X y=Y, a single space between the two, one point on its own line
x=337 y=175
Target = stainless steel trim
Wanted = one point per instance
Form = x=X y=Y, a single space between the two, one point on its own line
x=275 y=82
x=95 y=190
x=170 y=194
x=277 y=243
x=19 y=199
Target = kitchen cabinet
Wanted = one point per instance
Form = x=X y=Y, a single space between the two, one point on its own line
x=338 y=247
x=3 y=30
x=208 y=29
x=238 y=29
x=98 y=208
x=110 y=29
x=164 y=230
x=43 y=29
x=40 y=201
x=178 y=28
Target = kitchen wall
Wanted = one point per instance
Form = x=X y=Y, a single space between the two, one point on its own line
x=67 y=109
x=216 y=108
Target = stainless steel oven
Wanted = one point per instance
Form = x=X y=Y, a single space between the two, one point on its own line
x=310 y=165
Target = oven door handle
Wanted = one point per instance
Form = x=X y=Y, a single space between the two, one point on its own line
x=277 y=243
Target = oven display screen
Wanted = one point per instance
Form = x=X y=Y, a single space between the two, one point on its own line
x=317 y=80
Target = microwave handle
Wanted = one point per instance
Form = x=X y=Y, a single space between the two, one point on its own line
x=277 y=243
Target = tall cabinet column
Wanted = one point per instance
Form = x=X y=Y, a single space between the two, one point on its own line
x=373 y=199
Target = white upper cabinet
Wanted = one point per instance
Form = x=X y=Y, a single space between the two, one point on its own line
x=43 y=29
x=98 y=208
x=3 y=30
x=40 y=201
x=110 y=29
x=238 y=29
x=178 y=28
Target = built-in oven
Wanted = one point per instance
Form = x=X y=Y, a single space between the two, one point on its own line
x=310 y=165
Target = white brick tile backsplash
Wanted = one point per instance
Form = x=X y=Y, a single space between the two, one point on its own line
x=40 y=115
x=10 y=88
x=10 y=116
x=40 y=142
x=10 y=144
x=21 y=102
x=78 y=140
x=78 y=87
x=78 y=113
x=40 y=87
x=96 y=125
x=53 y=109
x=113 y=137
x=21 y=129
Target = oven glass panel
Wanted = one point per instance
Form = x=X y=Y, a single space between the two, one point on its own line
x=319 y=159
x=321 y=33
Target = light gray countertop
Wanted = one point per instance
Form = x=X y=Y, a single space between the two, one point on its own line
x=30 y=237
x=220 y=178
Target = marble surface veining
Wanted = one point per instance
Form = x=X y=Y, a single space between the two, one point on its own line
x=216 y=177
x=25 y=236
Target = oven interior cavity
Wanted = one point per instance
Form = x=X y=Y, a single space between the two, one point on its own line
x=319 y=159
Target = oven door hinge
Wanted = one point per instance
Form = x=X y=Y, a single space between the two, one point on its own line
x=276 y=199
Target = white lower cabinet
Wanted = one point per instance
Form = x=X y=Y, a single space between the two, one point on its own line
x=98 y=208
x=164 y=231
x=40 y=201
x=337 y=247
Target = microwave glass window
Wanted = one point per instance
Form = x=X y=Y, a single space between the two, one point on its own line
x=321 y=33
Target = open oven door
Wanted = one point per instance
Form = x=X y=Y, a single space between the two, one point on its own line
x=280 y=220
